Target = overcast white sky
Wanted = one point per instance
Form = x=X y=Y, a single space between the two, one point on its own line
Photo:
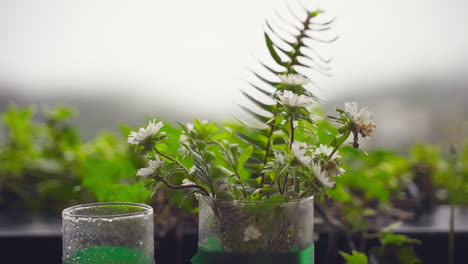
x=196 y=53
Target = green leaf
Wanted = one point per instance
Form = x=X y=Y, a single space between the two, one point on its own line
x=396 y=239
x=339 y=193
x=407 y=255
x=234 y=148
x=272 y=50
x=261 y=118
x=269 y=94
x=315 y=13
x=291 y=44
x=355 y=258
x=338 y=141
x=60 y=113
x=245 y=155
x=251 y=141
x=125 y=129
x=19 y=125
x=263 y=79
x=263 y=106
x=270 y=69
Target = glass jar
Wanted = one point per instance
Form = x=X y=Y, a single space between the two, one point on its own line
x=256 y=227
x=104 y=233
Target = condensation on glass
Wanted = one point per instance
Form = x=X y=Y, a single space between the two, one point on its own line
x=108 y=233
x=256 y=226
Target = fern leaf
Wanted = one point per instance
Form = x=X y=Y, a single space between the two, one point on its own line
x=273 y=52
x=263 y=106
x=291 y=51
x=261 y=118
x=263 y=91
x=265 y=80
x=251 y=141
x=280 y=37
x=270 y=69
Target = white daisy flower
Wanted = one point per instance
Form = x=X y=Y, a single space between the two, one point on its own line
x=299 y=150
x=136 y=138
x=251 y=233
x=153 y=165
x=325 y=151
x=361 y=118
x=291 y=99
x=293 y=79
x=322 y=176
x=330 y=165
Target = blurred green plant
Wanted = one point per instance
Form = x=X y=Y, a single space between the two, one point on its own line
x=45 y=165
x=381 y=186
x=365 y=192
x=354 y=258
x=438 y=168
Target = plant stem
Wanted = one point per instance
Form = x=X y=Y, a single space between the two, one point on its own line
x=171 y=159
x=297 y=184
x=207 y=169
x=267 y=153
x=300 y=43
x=233 y=165
x=186 y=170
x=351 y=244
x=333 y=152
x=240 y=181
x=279 y=186
x=291 y=129
x=285 y=182
x=165 y=212
x=279 y=175
x=289 y=69
x=328 y=216
x=181 y=187
x=451 y=244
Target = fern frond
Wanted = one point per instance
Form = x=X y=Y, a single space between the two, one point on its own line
x=263 y=91
x=291 y=50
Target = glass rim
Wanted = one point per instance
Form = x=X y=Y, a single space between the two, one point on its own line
x=306 y=199
x=70 y=211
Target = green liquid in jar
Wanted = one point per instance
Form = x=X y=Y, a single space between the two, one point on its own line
x=109 y=255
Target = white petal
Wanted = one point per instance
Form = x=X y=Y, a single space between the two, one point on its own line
x=351 y=108
x=157 y=163
x=144 y=133
x=322 y=176
x=189 y=127
x=299 y=150
x=145 y=172
x=293 y=79
x=186 y=182
x=291 y=99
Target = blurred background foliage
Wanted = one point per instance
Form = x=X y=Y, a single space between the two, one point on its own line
x=46 y=165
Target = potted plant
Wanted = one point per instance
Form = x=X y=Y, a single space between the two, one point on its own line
x=256 y=184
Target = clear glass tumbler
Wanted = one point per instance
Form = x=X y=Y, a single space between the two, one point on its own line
x=108 y=233
x=256 y=227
